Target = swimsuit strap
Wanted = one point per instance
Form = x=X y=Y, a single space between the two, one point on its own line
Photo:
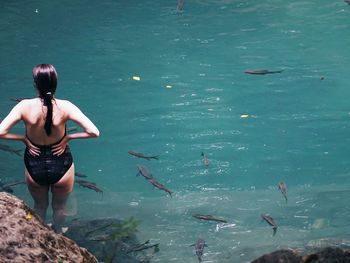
x=48 y=145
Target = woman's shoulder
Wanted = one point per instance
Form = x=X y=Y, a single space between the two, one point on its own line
x=27 y=102
x=65 y=104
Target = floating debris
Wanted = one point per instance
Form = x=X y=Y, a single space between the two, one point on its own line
x=137 y=78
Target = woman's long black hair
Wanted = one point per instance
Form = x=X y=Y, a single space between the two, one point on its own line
x=45 y=80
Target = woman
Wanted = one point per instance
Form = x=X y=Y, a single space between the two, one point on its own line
x=48 y=160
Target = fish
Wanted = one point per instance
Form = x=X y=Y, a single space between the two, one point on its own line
x=12 y=184
x=347 y=1
x=270 y=221
x=144 y=172
x=19 y=99
x=89 y=185
x=70 y=129
x=283 y=188
x=205 y=159
x=7 y=148
x=262 y=71
x=143 y=246
x=7 y=189
x=79 y=174
x=158 y=185
x=81 y=181
x=101 y=237
x=141 y=155
x=209 y=218
x=199 y=248
x=180 y=5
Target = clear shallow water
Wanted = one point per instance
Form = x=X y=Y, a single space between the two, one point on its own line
x=297 y=129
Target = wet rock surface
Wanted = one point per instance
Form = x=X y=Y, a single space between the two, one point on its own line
x=24 y=238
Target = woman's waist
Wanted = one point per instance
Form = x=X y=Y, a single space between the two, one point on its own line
x=46 y=146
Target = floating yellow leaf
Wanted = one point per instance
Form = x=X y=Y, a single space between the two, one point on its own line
x=244 y=116
x=29 y=216
x=137 y=78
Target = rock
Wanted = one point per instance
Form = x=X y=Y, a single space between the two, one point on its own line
x=326 y=255
x=24 y=238
x=280 y=256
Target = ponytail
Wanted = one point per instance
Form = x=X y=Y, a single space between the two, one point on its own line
x=48 y=119
x=45 y=79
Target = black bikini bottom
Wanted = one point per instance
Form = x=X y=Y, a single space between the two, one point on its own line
x=47 y=169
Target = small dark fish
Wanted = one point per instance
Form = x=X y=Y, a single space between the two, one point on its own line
x=180 y=5
x=7 y=148
x=81 y=181
x=205 y=159
x=7 y=189
x=70 y=129
x=160 y=186
x=89 y=185
x=79 y=174
x=102 y=237
x=12 y=184
x=19 y=99
x=97 y=229
x=141 y=155
x=262 y=71
x=143 y=246
x=209 y=218
x=199 y=248
x=283 y=188
x=144 y=172
x=270 y=221
x=347 y=1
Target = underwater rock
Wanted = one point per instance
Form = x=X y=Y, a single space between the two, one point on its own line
x=24 y=238
x=111 y=240
x=321 y=243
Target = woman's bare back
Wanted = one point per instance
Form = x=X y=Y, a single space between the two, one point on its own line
x=34 y=114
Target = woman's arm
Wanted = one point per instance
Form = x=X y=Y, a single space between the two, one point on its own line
x=11 y=120
x=77 y=116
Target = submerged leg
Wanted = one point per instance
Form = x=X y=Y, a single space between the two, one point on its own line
x=60 y=194
x=40 y=194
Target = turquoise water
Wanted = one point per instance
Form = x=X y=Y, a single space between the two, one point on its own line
x=190 y=98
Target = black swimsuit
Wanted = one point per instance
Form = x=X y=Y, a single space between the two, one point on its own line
x=47 y=169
